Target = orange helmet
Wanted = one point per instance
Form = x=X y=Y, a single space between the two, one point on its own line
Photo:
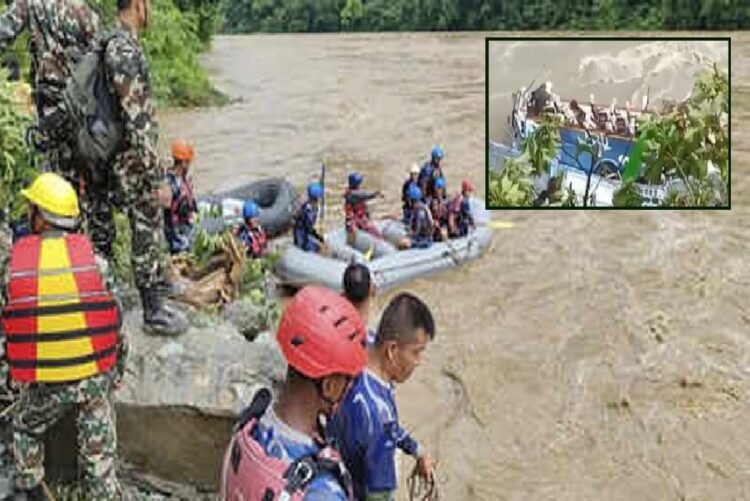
x=182 y=150
x=321 y=334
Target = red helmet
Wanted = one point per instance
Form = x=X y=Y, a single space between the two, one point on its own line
x=182 y=150
x=321 y=334
x=467 y=185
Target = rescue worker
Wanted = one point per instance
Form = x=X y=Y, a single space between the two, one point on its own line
x=413 y=180
x=460 y=217
x=279 y=449
x=63 y=341
x=439 y=212
x=60 y=31
x=250 y=232
x=431 y=171
x=421 y=225
x=134 y=176
x=306 y=237
x=366 y=428
x=359 y=289
x=179 y=218
x=355 y=208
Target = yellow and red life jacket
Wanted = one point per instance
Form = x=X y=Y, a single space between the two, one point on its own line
x=60 y=322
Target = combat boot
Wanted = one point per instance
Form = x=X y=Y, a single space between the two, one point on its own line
x=158 y=318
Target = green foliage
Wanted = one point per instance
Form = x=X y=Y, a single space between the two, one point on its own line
x=542 y=145
x=17 y=162
x=410 y=15
x=207 y=245
x=172 y=42
x=683 y=143
x=172 y=46
x=122 y=263
x=256 y=286
x=205 y=14
x=627 y=196
x=512 y=186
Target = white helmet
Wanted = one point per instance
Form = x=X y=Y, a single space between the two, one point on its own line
x=414 y=169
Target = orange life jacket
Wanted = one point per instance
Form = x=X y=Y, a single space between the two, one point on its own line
x=60 y=322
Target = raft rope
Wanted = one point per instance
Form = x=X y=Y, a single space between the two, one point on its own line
x=421 y=489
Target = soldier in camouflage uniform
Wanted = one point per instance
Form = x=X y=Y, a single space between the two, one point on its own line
x=60 y=31
x=44 y=397
x=135 y=169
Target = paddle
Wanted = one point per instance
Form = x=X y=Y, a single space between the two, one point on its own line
x=368 y=254
x=324 y=248
x=501 y=225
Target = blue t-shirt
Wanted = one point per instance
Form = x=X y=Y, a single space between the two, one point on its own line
x=283 y=442
x=367 y=432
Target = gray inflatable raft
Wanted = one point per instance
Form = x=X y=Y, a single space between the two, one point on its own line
x=275 y=196
x=389 y=267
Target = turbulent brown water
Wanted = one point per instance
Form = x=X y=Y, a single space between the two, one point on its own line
x=589 y=355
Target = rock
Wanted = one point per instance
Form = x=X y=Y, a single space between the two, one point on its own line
x=179 y=400
x=249 y=318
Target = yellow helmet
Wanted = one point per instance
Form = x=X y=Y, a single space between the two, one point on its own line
x=56 y=197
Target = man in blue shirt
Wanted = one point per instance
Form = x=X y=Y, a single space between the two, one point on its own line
x=366 y=428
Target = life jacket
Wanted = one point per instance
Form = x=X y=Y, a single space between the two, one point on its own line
x=300 y=216
x=356 y=212
x=183 y=204
x=439 y=213
x=249 y=474
x=463 y=217
x=254 y=239
x=60 y=322
x=419 y=209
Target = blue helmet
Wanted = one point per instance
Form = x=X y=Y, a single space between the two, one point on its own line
x=440 y=183
x=437 y=152
x=414 y=192
x=355 y=179
x=314 y=190
x=250 y=209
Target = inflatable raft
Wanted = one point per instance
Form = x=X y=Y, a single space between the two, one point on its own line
x=389 y=266
x=275 y=196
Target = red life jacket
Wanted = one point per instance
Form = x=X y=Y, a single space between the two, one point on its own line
x=260 y=241
x=356 y=213
x=439 y=213
x=60 y=322
x=255 y=239
x=184 y=198
x=249 y=474
x=455 y=204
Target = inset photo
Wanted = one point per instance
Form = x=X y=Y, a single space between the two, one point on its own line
x=604 y=122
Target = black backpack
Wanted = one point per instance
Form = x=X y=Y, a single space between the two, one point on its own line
x=94 y=110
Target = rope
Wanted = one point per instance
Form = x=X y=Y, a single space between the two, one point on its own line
x=421 y=489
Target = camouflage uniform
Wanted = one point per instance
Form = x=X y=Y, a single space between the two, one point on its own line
x=40 y=406
x=60 y=31
x=136 y=171
x=6 y=394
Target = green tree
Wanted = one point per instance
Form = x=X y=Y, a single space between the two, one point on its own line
x=17 y=162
